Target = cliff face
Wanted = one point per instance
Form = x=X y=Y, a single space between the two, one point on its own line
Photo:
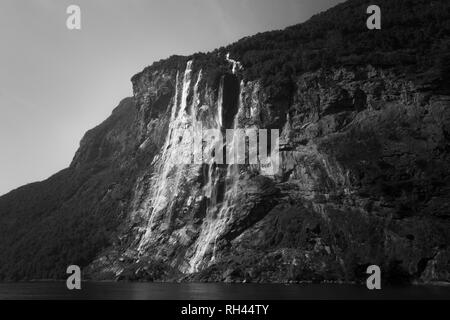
x=364 y=161
x=363 y=179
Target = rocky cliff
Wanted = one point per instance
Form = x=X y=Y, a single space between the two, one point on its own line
x=364 y=165
x=364 y=160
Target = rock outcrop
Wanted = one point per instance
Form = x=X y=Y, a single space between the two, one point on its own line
x=364 y=156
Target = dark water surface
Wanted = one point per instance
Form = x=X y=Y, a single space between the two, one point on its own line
x=213 y=291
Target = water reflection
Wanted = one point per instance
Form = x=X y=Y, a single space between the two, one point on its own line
x=214 y=291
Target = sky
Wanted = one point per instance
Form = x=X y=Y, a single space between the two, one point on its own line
x=56 y=83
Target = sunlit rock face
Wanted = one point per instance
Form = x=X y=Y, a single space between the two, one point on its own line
x=183 y=214
x=360 y=182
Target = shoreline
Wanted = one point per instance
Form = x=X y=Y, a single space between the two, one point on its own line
x=336 y=283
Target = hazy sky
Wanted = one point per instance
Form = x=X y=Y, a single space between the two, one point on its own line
x=55 y=84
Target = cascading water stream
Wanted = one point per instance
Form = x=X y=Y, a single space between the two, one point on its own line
x=167 y=159
x=166 y=182
x=210 y=191
x=236 y=64
x=217 y=216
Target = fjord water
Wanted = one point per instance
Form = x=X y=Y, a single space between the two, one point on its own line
x=213 y=291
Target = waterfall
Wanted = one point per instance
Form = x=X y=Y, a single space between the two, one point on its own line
x=167 y=183
x=164 y=188
x=236 y=64
x=175 y=102
x=220 y=104
x=217 y=214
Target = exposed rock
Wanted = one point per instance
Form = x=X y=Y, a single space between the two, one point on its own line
x=358 y=186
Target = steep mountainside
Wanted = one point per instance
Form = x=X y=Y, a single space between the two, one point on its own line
x=364 y=120
x=72 y=215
